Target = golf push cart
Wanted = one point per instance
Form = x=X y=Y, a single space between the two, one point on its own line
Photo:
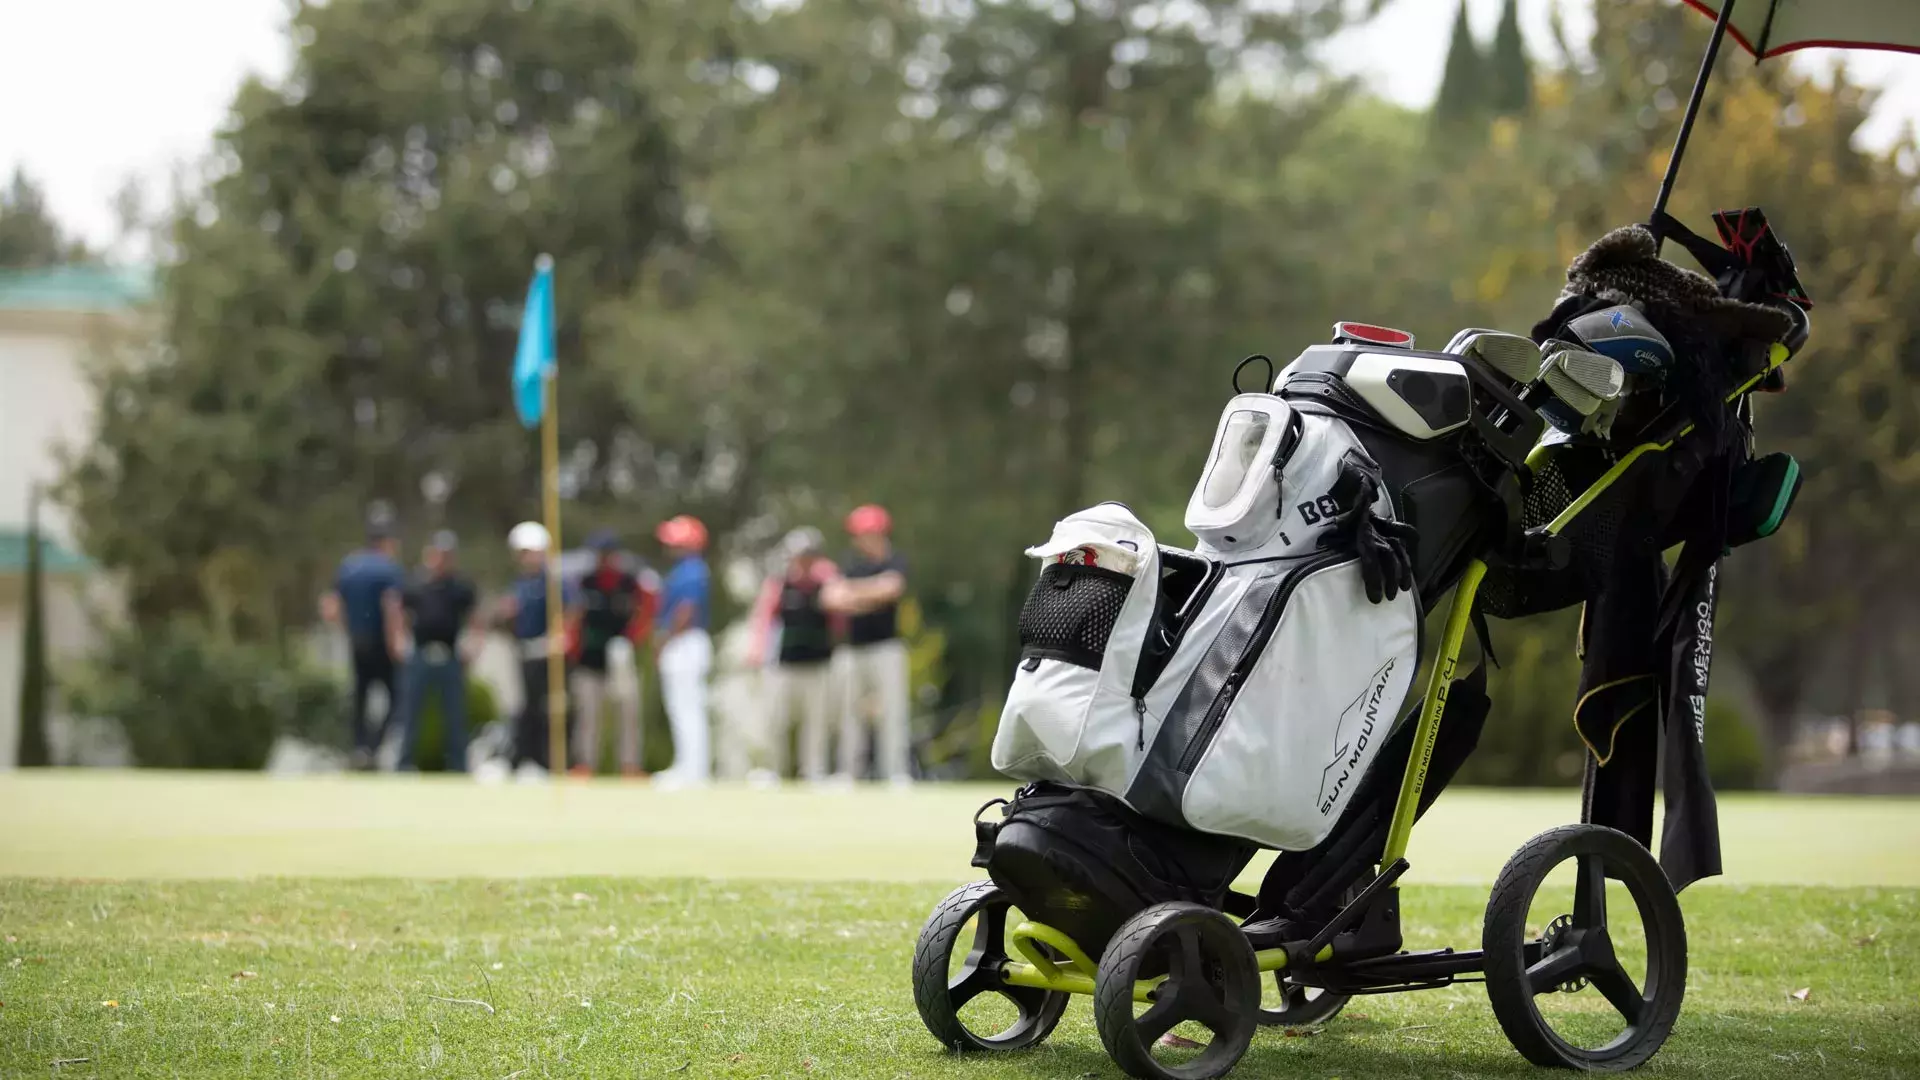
x=1174 y=710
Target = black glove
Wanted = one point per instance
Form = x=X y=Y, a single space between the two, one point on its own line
x=1381 y=545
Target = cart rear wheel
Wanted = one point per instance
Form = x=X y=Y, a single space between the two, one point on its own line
x=1211 y=991
x=1564 y=984
x=944 y=989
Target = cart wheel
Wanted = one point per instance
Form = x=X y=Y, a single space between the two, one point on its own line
x=1601 y=1014
x=1297 y=1006
x=1211 y=990
x=943 y=989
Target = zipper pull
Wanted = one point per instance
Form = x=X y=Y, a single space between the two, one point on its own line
x=1140 y=718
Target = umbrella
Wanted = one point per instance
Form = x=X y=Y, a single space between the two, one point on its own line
x=1769 y=28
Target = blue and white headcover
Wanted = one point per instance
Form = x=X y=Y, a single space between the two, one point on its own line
x=1626 y=335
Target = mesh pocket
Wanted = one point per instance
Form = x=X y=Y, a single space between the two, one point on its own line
x=1618 y=519
x=1070 y=613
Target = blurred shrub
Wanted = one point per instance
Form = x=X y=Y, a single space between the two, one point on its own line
x=1736 y=761
x=429 y=754
x=191 y=699
x=1529 y=739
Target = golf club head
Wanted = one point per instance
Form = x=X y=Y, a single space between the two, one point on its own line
x=1581 y=383
x=1516 y=357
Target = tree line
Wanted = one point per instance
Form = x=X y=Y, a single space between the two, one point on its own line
x=984 y=263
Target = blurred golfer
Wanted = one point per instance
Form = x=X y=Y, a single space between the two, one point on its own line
x=873 y=662
x=441 y=607
x=617 y=608
x=366 y=600
x=742 y=678
x=685 y=650
x=525 y=611
x=802 y=676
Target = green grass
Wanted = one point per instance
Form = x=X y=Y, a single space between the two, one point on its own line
x=620 y=977
x=181 y=825
x=700 y=934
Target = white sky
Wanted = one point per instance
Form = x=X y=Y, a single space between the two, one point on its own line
x=93 y=92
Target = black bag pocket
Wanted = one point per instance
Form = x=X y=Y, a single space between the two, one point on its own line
x=1762 y=495
x=1080 y=861
x=1070 y=613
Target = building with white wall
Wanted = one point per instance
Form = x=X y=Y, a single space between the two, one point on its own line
x=53 y=323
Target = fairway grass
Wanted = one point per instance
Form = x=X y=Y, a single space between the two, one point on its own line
x=228 y=926
x=614 y=977
x=74 y=824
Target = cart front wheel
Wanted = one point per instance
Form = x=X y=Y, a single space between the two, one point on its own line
x=1576 y=981
x=1200 y=1017
x=961 y=999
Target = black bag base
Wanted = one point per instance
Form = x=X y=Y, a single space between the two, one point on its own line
x=1081 y=862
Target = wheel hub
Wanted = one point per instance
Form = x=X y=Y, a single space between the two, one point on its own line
x=1561 y=932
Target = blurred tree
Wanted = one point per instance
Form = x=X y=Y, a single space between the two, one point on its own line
x=1509 y=89
x=1462 y=96
x=32 y=748
x=982 y=263
x=342 y=317
x=1036 y=219
x=29 y=236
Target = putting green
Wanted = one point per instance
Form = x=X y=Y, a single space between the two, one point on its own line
x=118 y=825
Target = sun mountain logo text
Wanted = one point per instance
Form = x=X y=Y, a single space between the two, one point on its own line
x=1350 y=745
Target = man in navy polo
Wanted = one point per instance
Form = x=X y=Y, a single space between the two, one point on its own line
x=366 y=601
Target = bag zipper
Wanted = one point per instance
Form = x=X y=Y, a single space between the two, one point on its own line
x=1256 y=644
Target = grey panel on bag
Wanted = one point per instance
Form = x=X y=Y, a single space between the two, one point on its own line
x=1158 y=786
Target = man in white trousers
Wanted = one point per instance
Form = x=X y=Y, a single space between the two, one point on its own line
x=685 y=650
x=873 y=662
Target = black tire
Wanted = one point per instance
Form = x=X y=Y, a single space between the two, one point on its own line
x=1577 y=949
x=940 y=995
x=1212 y=979
x=1301 y=1006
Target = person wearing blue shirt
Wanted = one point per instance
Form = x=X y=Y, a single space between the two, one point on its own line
x=686 y=652
x=524 y=610
x=366 y=601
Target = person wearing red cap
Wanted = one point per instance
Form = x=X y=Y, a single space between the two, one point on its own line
x=874 y=660
x=685 y=650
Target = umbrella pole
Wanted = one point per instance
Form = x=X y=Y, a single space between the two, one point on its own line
x=1693 y=110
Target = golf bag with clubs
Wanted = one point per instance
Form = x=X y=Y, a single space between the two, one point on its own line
x=1175 y=709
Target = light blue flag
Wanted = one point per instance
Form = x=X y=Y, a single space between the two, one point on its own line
x=535 y=356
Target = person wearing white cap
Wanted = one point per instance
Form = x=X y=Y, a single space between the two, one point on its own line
x=524 y=609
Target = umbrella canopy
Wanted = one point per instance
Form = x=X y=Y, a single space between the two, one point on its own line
x=1771 y=27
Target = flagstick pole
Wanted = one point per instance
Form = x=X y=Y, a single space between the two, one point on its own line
x=556 y=644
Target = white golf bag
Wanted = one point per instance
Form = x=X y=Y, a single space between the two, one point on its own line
x=1241 y=688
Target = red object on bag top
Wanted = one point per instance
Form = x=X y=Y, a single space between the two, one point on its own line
x=1360 y=333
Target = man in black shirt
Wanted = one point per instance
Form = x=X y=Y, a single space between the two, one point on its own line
x=617 y=607
x=802 y=681
x=874 y=660
x=440 y=605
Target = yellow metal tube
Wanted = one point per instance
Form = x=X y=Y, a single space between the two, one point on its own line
x=1439 y=681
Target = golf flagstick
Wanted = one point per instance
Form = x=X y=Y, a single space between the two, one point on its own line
x=556 y=645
